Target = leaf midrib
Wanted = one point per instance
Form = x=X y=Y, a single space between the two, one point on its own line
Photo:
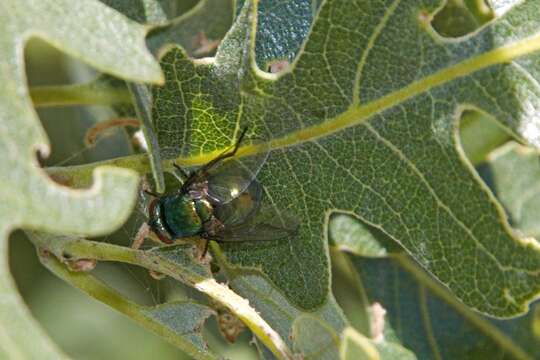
x=356 y=115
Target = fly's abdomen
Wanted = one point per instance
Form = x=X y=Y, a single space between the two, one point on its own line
x=181 y=216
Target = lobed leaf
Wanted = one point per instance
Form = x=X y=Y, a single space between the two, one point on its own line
x=365 y=121
x=29 y=198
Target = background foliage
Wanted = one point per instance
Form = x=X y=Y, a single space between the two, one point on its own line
x=382 y=177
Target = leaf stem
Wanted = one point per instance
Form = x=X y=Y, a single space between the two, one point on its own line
x=80 y=94
x=80 y=176
x=142 y=101
x=102 y=292
x=83 y=249
x=471 y=125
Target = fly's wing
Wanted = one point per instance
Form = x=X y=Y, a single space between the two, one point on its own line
x=231 y=178
x=267 y=224
x=242 y=208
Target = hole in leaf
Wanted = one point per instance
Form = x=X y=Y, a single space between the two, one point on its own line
x=479 y=135
x=461 y=17
x=66 y=126
x=142 y=12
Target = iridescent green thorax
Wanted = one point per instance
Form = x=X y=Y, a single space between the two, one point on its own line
x=179 y=216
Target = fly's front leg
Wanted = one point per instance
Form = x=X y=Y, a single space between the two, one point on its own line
x=145 y=232
x=142 y=233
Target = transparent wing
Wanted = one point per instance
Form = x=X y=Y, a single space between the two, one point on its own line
x=242 y=208
x=266 y=224
x=231 y=178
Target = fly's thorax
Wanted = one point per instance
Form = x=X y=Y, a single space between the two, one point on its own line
x=184 y=216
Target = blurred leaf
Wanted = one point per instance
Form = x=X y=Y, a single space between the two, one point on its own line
x=514 y=171
x=356 y=128
x=141 y=11
x=107 y=42
x=200 y=30
x=179 y=322
x=425 y=316
x=314 y=339
x=455 y=19
x=353 y=237
x=429 y=320
x=501 y=6
x=356 y=346
x=480 y=135
x=151 y=11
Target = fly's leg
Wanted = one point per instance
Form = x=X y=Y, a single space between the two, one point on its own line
x=212 y=230
x=142 y=233
x=201 y=173
x=181 y=174
x=226 y=154
x=146 y=232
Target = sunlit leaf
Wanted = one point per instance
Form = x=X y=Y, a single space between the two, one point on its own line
x=364 y=121
x=31 y=200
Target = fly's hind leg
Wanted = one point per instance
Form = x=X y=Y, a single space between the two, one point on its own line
x=212 y=230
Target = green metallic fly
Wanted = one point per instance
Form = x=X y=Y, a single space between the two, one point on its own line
x=220 y=201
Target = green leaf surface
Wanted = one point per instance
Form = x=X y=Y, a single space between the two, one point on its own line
x=142 y=103
x=424 y=315
x=29 y=198
x=365 y=121
x=184 y=319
